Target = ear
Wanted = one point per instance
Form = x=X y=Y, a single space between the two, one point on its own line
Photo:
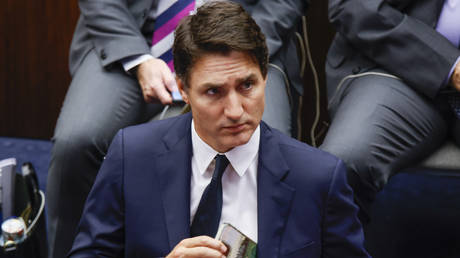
x=182 y=90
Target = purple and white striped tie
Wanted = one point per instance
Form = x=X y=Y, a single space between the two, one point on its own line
x=165 y=24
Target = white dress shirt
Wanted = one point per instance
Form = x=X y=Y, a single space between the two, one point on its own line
x=448 y=22
x=239 y=182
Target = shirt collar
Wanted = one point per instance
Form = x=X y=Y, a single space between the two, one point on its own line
x=240 y=157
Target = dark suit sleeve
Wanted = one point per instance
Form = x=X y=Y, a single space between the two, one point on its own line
x=342 y=232
x=113 y=29
x=399 y=43
x=277 y=19
x=101 y=229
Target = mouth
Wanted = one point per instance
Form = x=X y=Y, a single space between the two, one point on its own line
x=235 y=128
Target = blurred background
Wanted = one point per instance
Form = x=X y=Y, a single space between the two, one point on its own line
x=34 y=74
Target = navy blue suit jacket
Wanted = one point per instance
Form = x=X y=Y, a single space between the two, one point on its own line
x=140 y=203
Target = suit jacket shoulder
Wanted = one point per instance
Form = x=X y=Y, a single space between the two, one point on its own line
x=322 y=219
x=300 y=156
x=158 y=136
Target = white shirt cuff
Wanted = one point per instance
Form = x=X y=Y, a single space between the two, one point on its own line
x=133 y=61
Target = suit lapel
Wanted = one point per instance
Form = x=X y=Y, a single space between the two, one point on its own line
x=273 y=196
x=174 y=171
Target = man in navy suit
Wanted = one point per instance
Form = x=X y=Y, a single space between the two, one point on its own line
x=293 y=200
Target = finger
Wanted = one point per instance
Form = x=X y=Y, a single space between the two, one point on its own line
x=148 y=93
x=169 y=80
x=204 y=241
x=204 y=252
x=455 y=77
x=456 y=84
x=150 y=76
x=150 y=99
x=158 y=88
x=155 y=89
x=162 y=94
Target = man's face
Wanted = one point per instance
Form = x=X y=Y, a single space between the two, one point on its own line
x=226 y=94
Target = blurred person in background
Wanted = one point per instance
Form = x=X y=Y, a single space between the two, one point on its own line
x=393 y=78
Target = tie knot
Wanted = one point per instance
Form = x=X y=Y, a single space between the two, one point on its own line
x=221 y=164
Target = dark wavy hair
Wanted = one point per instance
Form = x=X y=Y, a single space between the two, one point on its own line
x=217 y=26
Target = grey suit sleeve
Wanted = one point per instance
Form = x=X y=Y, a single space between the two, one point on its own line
x=277 y=19
x=399 y=43
x=113 y=29
x=343 y=234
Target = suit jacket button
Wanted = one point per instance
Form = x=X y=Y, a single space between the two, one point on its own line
x=103 y=55
x=356 y=70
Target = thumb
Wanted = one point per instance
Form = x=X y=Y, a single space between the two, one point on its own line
x=169 y=80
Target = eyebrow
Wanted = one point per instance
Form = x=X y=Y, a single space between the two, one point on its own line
x=210 y=85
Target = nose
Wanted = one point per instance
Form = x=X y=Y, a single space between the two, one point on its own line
x=233 y=106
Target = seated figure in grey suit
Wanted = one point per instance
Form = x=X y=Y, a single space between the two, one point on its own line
x=117 y=82
x=393 y=77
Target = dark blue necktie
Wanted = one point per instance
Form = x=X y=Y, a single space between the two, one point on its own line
x=207 y=216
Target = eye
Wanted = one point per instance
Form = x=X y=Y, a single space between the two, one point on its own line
x=212 y=91
x=247 y=85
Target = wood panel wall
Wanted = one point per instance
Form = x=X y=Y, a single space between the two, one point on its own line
x=34 y=43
